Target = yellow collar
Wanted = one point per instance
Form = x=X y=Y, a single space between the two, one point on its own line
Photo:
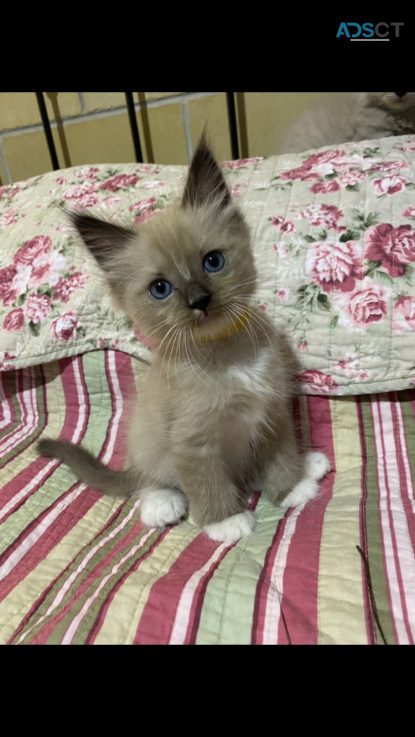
x=237 y=323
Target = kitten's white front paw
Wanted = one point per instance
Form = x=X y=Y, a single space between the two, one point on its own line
x=304 y=491
x=162 y=507
x=316 y=466
x=231 y=529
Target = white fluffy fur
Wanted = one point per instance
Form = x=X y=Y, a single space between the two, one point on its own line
x=231 y=530
x=316 y=466
x=162 y=507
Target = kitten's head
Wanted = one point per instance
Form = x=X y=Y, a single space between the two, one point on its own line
x=189 y=268
x=393 y=102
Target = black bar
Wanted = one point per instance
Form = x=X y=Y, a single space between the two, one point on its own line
x=233 y=130
x=134 y=127
x=48 y=132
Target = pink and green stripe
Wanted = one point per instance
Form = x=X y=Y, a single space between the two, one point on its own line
x=79 y=568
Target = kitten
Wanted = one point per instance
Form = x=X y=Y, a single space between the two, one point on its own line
x=352 y=116
x=214 y=416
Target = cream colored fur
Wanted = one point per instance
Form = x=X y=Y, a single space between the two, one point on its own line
x=351 y=116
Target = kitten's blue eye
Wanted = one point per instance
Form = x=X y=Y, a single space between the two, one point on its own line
x=160 y=289
x=214 y=261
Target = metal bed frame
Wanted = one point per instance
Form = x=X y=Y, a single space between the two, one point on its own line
x=233 y=131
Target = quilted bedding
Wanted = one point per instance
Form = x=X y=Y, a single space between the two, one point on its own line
x=334 y=241
x=335 y=244
x=79 y=568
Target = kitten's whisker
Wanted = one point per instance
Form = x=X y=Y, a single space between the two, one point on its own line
x=191 y=362
x=176 y=335
x=181 y=335
x=239 y=314
x=242 y=284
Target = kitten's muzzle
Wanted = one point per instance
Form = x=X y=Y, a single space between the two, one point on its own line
x=198 y=299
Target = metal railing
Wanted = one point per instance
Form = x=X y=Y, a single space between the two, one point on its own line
x=233 y=129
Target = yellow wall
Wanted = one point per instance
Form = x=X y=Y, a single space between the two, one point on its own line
x=93 y=127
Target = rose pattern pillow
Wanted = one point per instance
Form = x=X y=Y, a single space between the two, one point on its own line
x=334 y=238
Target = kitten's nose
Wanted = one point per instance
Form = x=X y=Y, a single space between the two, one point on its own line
x=201 y=304
x=400 y=94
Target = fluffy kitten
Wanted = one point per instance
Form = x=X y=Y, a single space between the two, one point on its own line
x=352 y=116
x=214 y=416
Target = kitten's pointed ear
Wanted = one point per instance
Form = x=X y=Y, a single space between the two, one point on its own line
x=205 y=181
x=103 y=239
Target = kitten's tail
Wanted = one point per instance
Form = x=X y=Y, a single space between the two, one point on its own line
x=88 y=468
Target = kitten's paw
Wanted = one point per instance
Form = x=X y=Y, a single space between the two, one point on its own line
x=162 y=507
x=231 y=529
x=316 y=465
x=304 y=491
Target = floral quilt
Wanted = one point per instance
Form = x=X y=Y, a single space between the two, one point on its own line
x=334 y=238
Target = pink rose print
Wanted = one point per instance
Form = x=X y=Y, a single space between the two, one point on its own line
x=349 y=364
x=389 y=185
x=239 y=163
x=3 y=190
x=395 y=247
x=335 y=265
x=322 y=158
x=326 y=215
x=366 y=304
x=302 y=346
x=9 y=217
x=66 y=287
x=345 y=163
x=281 y=249
x=351 y=177
x=409 y=212
x=31 y=249
x=236 y=190
x=7 y=293
x=325 y=187
x=143 y=204
x=282 y=293
x=87 y=172
x=78 y=191
x=36 y=307
x=389 y=166
x=118 y=181
x=63 y=327
x=318 y=382
x=153 y=185
x=19 y=283
x=263 y=307
x=301 y=172
x=46 y=268
x=14 y=320
x=12 y=191
x=5 y=356
x=61 y=180
x=404 y=314
x=88 y=200
x=109 y=201
x=285 y=227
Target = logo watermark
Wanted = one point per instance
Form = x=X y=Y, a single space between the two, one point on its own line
x=369 y=31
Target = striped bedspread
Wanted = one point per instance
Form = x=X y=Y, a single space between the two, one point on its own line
x=79 y=568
